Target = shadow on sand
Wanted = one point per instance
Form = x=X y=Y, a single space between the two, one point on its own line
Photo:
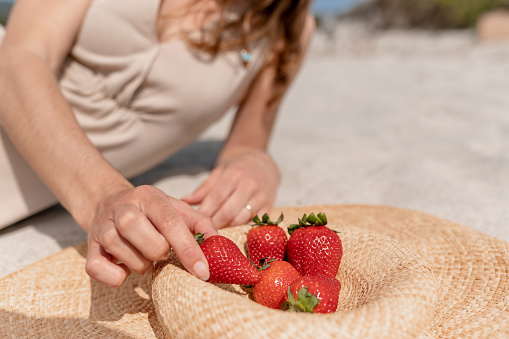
x=194 y=159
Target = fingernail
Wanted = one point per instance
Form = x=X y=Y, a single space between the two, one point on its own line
x=201 y=270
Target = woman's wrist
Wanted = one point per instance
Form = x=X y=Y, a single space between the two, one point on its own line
x=94 y=199
x=250 y=156
x=233 y=152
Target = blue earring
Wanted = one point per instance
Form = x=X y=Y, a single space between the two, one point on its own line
x=246 y=57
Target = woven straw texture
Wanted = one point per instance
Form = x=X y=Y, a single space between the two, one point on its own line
x=384 y=285
x=54 y=298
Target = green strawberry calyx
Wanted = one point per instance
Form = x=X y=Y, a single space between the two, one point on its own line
x=305 y=302
x=265 y=221
x=200 y=238
x=309 y=220
x=264 y=263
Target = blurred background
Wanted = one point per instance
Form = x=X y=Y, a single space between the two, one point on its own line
x=390 y=13
x=384 y=14
x=400 y=102
x=429 y=14
x=5 y=7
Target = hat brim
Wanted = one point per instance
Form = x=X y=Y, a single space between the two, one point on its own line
x=387 y=291
x=55 y=298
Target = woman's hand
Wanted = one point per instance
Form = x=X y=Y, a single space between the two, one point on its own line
x=246 y=179
x=139 y=225
x=238 y=188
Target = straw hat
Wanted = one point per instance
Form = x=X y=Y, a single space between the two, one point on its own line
x=404 y=274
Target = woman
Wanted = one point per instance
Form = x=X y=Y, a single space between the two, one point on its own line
x=94 y=92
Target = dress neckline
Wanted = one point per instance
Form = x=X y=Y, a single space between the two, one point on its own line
x=154 y=23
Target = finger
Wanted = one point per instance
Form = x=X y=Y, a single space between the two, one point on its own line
x=218 y=195
x=121 y=249
x=242 y=218
x=235 y=205
x=203 y=190
x=100 y=268
x=267 y=208
x=171 y=225
x=196 y=221
x=133 y=225
x=245 y=216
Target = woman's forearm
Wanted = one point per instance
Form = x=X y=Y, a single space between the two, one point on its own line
x=133 y=226
x=41 y=125
x=254 y=120
x=253 y=124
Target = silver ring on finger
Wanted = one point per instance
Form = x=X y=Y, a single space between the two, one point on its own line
x=250 y=209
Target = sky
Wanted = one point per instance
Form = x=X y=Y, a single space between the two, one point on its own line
x=333 y=6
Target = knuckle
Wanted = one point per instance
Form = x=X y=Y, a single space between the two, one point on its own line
x=146 y=190
x=188 y=251
x=157 y=252
x=143 y=188
x=140 y=193
x=127 y=219
x=109 y=238
x=168 y=222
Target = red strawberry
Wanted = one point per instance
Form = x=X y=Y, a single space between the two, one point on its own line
x=315 y=294
x=266 y=239
x=277 y=276
x=313 y=248
x=227 y=264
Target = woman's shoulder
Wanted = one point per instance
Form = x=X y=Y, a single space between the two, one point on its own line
x=47 y=29
x=119 y=28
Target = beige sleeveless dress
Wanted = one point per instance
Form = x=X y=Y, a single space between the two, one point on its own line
x=138 y=100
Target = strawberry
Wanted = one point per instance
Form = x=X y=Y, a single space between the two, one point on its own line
x=227 y=264
x=313 y=248
x=266 y=239
x=314 y=294
x=277 y=276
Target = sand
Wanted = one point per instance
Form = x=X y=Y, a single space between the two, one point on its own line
x=416 y=120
